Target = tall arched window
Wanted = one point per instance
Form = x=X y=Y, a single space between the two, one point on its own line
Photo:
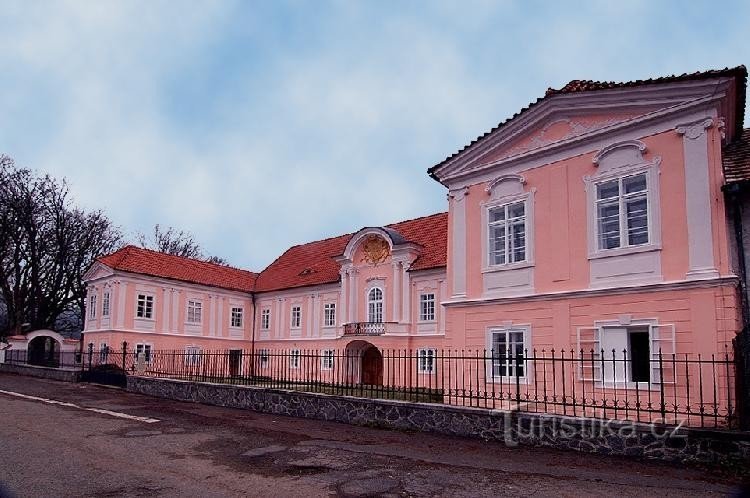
x=375 y=305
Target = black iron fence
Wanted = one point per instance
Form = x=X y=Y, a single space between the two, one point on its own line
x=691 y=389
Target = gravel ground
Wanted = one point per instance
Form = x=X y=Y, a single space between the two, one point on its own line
x=196 y=450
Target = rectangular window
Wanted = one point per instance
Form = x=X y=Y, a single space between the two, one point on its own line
x=426 y=358
x=265 y=319
x=326 y=359
x=237 y=313
x=143 y=352
x=622 y=212
x=92 y=307
x=192 y=355
x=508 y=349
x=264 y=358
x=145 y=308
x=507 y=233
x=427 y=307
x=105 y=304
x=194 y=311
x=329 y=315
x=296 y=317
x=294 y=356
x=103 y=352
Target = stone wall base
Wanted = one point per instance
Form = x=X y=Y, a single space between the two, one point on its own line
x=512 y=428
x=62 y=374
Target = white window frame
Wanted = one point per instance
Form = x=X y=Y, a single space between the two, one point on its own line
x=143 y=346
x=427 y=307
x=378 y=311
x=621 y=200
x=329 y=315
x=104 y=351
x=265 y=319
x=236 y=317
x=106 y=304
x=194 y=312
x=651 y=169
x=505 y=203
x=193 y=355
x=427 y=360
x=327 y=359
x=294 y=359
x=149 y=301
x=264 y=358
x=92 y=307
x=295 y=319
x=510 y=366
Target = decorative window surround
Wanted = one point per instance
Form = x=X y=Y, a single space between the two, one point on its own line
x=296 y=317
x=327 y=359
x=92 y=307
x=427 y=359
x=512 y=278
x=237 y=317
x=375 y=304
x=638 y=264
x=608 y=335
x=194 y=314
x=500 y=339
x=329 y=315
x=427 y=307
x=106 y=304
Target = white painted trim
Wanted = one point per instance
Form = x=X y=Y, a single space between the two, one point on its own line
x=506 y=327
x=458 y=235
x=730 y=281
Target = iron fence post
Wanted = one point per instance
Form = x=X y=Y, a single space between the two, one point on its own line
x=124 y=354
x=518 y=381
x=91 y=353
x=742 y=375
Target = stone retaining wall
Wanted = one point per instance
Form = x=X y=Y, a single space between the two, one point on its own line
x=512 y=428
x=62 y=374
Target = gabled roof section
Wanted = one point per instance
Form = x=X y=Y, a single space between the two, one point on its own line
x=736 y=159
x=314 y=264
x=134 y=259
x=576 y=87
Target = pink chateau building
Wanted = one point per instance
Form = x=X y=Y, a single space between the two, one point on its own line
x=593 y=219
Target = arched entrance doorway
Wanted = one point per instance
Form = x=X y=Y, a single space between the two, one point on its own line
x=372 y=367
x=44 y=351
x=365 y=363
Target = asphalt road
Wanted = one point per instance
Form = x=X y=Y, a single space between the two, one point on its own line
x=86 y=448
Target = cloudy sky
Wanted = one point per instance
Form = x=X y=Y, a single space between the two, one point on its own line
x=259 y=125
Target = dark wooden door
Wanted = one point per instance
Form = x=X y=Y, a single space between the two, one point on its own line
x=372 y=367
x=235 y=357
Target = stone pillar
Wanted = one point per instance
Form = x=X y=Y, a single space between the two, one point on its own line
x=698 y=198
x=122 y=292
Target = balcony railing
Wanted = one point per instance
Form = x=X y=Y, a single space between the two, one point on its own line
x=367 y=328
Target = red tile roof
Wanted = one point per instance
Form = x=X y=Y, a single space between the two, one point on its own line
x=299 y=266
x=144 y=261
x=313 y=263
x=736 y=158
x=579 y=86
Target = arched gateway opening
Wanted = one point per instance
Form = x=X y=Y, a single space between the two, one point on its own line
x=366 y=363
x=44 y=351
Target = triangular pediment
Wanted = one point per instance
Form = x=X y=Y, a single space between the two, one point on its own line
x=556 y=129
x=98 y=271
x=560 y=121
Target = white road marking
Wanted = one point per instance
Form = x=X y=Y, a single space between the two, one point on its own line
x=147 y=420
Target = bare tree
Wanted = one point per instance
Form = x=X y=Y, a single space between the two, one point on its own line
x=177 y=242
x=46 y=245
